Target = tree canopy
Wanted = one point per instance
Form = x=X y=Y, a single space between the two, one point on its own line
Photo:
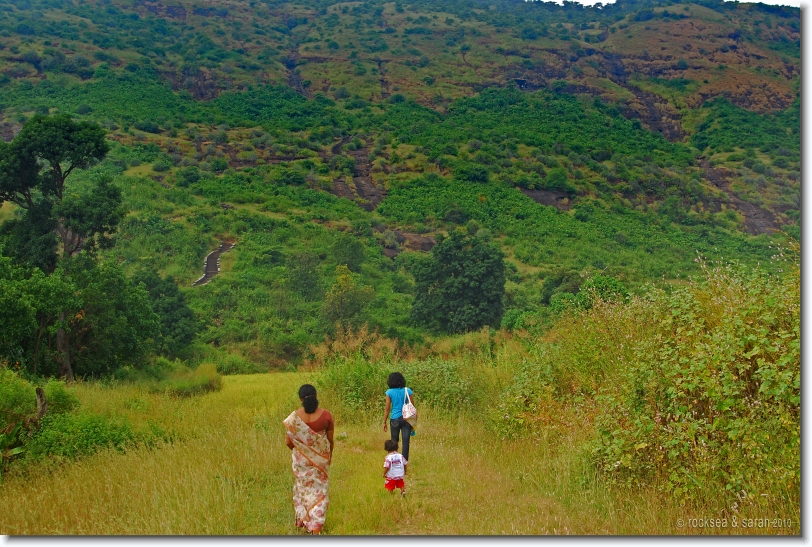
x=460 y=286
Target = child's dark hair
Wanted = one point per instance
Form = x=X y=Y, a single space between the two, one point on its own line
x=390 y=445
x=396 y=380
x=307 y=394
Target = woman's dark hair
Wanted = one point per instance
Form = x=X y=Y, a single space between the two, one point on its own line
x=396 y=380
x=307 y=394
x=389 y=445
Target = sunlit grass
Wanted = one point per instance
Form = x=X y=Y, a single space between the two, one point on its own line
x=228 y=472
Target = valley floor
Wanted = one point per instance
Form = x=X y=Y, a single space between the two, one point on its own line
x=227 y=472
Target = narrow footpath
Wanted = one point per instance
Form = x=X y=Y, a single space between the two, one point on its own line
x=211 y=264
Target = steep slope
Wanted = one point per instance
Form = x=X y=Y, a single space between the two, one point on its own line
x=620 y=139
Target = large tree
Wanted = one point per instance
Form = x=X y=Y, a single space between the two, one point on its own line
x=34 y=169
x=460 y=286
x=177 y=321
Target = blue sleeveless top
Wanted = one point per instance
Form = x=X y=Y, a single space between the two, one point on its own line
x=398 y=400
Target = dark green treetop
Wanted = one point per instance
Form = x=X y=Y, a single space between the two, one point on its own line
x=460 y=286
x=34 y=168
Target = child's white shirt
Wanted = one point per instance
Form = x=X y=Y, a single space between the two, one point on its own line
x=396 y=464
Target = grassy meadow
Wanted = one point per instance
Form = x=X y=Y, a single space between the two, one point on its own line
x=226 y=471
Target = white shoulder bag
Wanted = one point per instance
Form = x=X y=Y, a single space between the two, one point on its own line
x=409 y=411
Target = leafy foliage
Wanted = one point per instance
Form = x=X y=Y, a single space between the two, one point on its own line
x=72 y=436
x=680 y=382
x=16 y=397
x=460 y=287
x=186 y=383
x=728 y=126
x=178 y=324
x=116 y=325
x=728 y=383
x=345 y=301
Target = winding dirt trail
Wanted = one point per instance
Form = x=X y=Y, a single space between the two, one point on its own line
x=211 y=264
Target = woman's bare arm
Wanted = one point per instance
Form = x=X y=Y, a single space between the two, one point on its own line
x=330 y=438
x=288 y=441
x=386 y=413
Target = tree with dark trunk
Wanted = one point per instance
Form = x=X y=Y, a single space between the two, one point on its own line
x=34 y=168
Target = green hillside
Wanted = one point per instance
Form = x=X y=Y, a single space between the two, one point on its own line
x=617 y=141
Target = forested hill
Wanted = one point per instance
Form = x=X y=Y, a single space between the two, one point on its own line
x=335 y=142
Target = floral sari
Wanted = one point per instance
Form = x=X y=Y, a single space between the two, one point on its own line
x=311 y=462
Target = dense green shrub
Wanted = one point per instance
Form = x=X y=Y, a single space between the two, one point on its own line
x=442 y=383
x=356 y=383
x=147 y=125
x=692 y=388
x=158 y=369
x=232 y=363
x=17 y=399
x=186 y=383
x=79 y=435
x=60 y=398
x=714 y=399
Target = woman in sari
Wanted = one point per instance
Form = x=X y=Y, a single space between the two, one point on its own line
x=310 y=438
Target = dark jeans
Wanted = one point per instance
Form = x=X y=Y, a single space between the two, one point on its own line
x=396 y=426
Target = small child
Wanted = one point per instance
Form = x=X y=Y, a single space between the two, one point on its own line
x=395 y=468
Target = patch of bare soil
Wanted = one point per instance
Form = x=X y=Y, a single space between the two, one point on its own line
x=294 y=79
x=197 y=81
x=9 y=130
x=655 y=113
x=161 y=10
x=384 y=82
x=756 y=220
x=551 y=198
x=407 y=241
x=364 y=191
x=414 y=242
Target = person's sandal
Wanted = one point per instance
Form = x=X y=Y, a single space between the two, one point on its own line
x=403 y=494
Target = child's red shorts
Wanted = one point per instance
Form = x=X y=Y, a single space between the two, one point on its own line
x=391 y=484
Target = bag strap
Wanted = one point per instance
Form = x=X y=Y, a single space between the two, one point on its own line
x=406 y=391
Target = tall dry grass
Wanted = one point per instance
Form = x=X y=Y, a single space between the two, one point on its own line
x=228 y=472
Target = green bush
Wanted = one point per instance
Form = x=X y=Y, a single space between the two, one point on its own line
x=219 y=164
x=17 y=398
x=159 y=369
x=161 y=166
x=148 y=126
x=691 y=388
x=713 y=398
x=186 y=383
x=441 y=383
x=60 y=398
x=78 y=435
x=236 y=364
x=356 y=383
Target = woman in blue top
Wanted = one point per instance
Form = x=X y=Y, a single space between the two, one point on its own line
x=395 y=399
